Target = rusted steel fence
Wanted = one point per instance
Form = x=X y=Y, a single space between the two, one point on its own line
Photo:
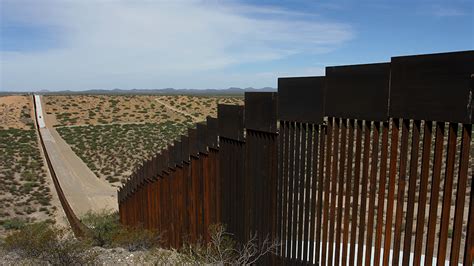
x=368 y=164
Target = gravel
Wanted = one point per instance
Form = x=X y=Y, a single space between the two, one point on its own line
x=113 y=256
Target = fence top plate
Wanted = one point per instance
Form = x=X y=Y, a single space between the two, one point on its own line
x=178 y=155
x=301 y=99
x=193 y=148
x=358 y=91
x=212 y=132
x=435 y=87
x=202 y=137
x=185 y=148
x=261 y=111
x=230 y=121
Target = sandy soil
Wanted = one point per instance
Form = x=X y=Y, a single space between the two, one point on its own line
x=15 y=112
x=99 y=109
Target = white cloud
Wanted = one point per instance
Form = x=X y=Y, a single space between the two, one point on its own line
x=155 y=44
x=446 y=11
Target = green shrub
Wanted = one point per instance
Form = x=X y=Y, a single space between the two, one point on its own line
x=52 y=244
x=106 y=231
x=103 y=227
x=137 y=238
x=13 y=224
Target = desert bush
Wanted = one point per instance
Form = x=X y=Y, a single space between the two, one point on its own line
x=103 y=225
x=106 y=231
x=49 y=243
x=13 y=224
x=221 y=250
x=137 y=238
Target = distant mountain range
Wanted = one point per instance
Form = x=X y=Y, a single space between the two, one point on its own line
x=167 y=91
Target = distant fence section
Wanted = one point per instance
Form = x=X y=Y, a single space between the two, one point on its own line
x=368 y=164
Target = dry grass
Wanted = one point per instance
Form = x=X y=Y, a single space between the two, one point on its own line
x=100 y=109
x=113 y=151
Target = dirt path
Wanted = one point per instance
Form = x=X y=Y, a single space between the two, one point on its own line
x=83 y=190
x=175 y=109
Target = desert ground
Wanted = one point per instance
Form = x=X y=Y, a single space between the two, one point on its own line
x=113 y=134
x=26 y=190
x=106 y=136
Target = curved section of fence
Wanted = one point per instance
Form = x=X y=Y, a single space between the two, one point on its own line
x=368 y=164
x=77 y=226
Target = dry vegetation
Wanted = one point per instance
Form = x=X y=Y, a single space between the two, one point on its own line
x=92 y=110
x=112 y=151
x=113 y=134
x=25 y=190
x=108 y=242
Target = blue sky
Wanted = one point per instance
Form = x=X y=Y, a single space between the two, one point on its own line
x=106 y=44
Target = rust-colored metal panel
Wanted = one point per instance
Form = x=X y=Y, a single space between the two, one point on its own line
x=411 y=191
x=315 y=193
x=196 y=175
x=301 y=99
x=291 y=190
x=307 y=200
x=192 y=197
x=358 y=91
x=178 y=153
x=469 y=246
x=280 y=189
x=202 y=137
x=261 y=167
x=434 y=87
x=321 y=185
x=348 y=192
x=372 y=190
x=218 y=180
x=327 y=187
x=340 y=189
x=207 y=194
x=230 y=121
x=381 y=192
x=434 y=196
x=284 y=127
x=333 y=189
x=448 y=191
x=401 y=191
x=363 y=200
x=355 y=202
x=185 y=148
x=180 y=206
x=311 y=184
x=260 y=186
x=186 y=201
x=193 y=147
x=261 y=111
x=425 y=164
x=212 y=132
x=461 y=193
x=300 y=188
